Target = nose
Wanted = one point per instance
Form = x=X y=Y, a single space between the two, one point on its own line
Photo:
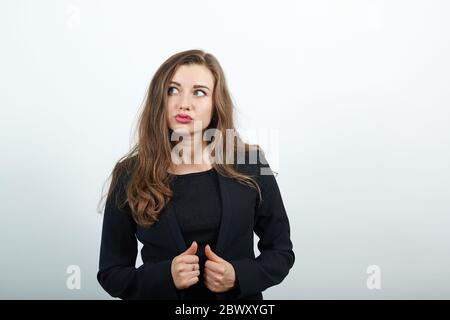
x=184 y=107
x=185 y=103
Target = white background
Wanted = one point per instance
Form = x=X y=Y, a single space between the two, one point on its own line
x=358 y=91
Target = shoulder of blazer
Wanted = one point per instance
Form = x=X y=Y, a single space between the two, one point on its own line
x=253 y=169
x=125 y=169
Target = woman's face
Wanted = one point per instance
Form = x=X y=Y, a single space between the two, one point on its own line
x=189 y=99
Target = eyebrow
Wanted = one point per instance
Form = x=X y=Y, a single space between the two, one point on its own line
x=195 y=85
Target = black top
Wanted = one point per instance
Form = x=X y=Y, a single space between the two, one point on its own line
x=198 y=209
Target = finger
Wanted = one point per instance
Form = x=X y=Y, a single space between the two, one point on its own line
x=211 y=279
x=191 y=281
x=207 y=281
x=211 y=284
x=213 y=276
x=192 y=249
x=186 y=267
x=190 y=267
x=189 y=258
x=215 y=267
x=190 y=274
x=195 y=266
x=211 y=255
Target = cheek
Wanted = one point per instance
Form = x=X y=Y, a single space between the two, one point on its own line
x=206 y=113
x=170 y=107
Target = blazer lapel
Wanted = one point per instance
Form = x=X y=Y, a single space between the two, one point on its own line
x=224 y=186
x=175 y=228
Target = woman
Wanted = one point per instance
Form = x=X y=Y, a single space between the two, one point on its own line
x=195 y=218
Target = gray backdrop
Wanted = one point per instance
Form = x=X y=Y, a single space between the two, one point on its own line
x=358 y=92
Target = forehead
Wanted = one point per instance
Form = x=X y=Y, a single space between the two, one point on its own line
x=189 y=75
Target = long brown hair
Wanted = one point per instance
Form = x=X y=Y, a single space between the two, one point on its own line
x=148 y=185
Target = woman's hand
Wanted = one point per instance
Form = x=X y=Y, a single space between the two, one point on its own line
x=219 y=274
x=185 y=268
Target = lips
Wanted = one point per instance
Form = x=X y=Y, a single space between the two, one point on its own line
x=183 y=115
x=183 y=118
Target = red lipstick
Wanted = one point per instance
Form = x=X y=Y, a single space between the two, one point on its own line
x=183 y=118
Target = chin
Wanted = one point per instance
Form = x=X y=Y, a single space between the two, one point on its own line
x=182 y=129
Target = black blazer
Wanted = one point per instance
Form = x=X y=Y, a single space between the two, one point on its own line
x=241 y=216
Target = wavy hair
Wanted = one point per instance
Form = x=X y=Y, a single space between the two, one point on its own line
x=148 y=185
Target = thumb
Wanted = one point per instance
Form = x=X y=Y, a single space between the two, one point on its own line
x=211 y=255
x=192 y=249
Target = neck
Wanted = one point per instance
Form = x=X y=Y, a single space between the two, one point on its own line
x=194 y=151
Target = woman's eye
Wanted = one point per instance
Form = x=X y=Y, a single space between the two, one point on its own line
x=204 y=94
x=170 y=89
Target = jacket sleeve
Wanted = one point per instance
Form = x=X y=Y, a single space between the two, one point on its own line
x=272 y=227
x=118 y=251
